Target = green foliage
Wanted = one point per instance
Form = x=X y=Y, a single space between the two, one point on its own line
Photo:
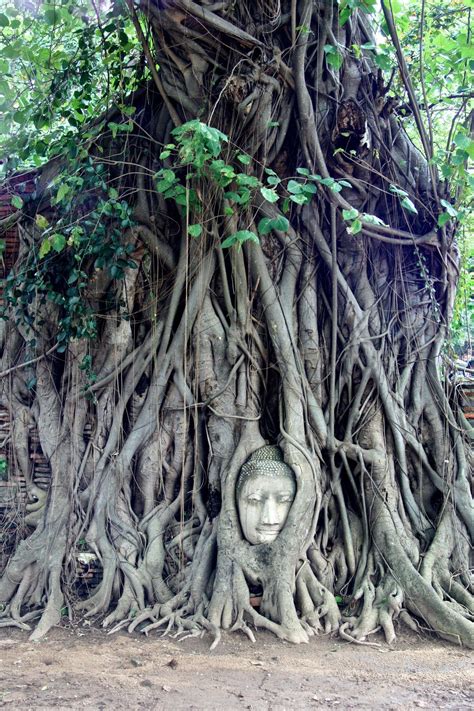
x=405 y=201
x=437 y=44
x=267 y=224
x=352 y=217
x=88 y=232
x=195 y=165
x=17 y=202
x=198 y=143
x=195 y=230
x=347 y=7
x=238 y=238
x=59 y=71
x=462 y=325
x=333 y=56
x=63 y=66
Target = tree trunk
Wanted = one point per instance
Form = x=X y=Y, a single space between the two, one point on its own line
x=324 y=335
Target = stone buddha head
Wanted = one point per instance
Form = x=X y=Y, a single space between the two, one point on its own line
x=266 y=488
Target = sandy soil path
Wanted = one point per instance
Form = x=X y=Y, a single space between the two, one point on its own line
x=85 y=668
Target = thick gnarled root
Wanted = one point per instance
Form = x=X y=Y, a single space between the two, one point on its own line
x=380 y=607
x=317 y=605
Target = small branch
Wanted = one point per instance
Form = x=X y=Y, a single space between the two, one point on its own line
x=4 y=373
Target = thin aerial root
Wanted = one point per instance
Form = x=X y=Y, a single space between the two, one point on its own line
x=349 y=638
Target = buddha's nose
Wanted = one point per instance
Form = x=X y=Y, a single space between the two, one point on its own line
x=270 y=514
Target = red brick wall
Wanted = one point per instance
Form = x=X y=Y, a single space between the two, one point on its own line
x=23 y=185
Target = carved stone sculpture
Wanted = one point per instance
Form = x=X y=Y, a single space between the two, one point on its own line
x=266 y=488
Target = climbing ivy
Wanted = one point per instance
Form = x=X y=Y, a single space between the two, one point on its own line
x=87 y=231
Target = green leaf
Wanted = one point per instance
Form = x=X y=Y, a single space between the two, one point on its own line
x=350 y=214
x=462 y=141
x=383 y=61
x=309 y=189
x=244 y=235
x=333 y=57
x=281 y=224
x=300 y=199
x=250 y=181
x=113 y=193
x=17 y=202
x=195 y=230
x=58 y=242
x=328 y=182
x=398 y=191
x=269 y=194
x=63 y=190
x=168 y=175
x=50 y=16
x=229 y=242
x=449 y=208
x=355 y=227
x=408 y=205
x=344 y=15
x=41 y=221
x=244 y=158
x=4 y=21
x=443 y=219
x=241 y=198
x=239 y=238
x=335 y=60
x=165 y=154
x=232 y=195
x=45 y=248
x=373 y=219
x=460 y=157
x=267 y=224
x=294 y=187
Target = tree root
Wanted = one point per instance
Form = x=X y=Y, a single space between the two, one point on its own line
x=349 y=638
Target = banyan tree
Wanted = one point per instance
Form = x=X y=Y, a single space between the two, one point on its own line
x=246 y=254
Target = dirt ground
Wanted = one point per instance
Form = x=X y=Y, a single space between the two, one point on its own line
x=81 y=667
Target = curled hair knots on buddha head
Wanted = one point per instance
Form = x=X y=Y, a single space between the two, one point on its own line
x=267 y=460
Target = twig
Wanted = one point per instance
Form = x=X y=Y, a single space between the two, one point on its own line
x=28 y=362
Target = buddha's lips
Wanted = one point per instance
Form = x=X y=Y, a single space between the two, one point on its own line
x=269 y=531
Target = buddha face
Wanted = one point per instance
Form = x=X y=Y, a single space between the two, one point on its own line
x=263 y=503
